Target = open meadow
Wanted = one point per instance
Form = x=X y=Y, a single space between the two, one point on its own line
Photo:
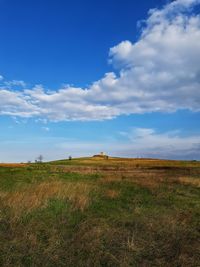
x=100 y=212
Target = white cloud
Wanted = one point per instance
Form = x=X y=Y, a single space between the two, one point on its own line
x=147 y=142
x=147 y=139
x=46 y=129
x=16 y=104
x=159 y=72
x=12 y=83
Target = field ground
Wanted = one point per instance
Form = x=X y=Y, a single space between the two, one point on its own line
x=100 y=212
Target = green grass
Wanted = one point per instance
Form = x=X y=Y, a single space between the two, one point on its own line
x=95 y=218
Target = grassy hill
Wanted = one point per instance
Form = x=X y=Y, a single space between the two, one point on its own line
x=100 y=212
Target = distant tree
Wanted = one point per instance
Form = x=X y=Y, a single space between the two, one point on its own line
x=70 y=157
x=40 y=158
x=29 y=161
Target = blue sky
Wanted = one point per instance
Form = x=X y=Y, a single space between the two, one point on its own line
x=80 y=77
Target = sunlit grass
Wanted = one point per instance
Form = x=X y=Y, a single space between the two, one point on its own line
x=97 y=212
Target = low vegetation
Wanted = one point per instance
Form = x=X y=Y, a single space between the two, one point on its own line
x=100 y=212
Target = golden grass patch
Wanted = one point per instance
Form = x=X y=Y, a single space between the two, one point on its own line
x=13 y=165
x=189 y=181
x=37 y=195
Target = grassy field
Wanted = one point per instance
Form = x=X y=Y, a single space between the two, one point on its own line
x=100 y=212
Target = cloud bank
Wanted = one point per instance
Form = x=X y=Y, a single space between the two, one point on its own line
x=141 y=142
x=160 y=72
x=136 y=142
x=148 y=142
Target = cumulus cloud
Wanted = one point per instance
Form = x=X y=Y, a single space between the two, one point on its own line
x=16 y=104
x=159 y=72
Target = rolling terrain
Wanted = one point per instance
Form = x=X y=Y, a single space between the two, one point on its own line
x=100 y=212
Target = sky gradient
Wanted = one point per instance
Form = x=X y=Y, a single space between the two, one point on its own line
x=80 y=77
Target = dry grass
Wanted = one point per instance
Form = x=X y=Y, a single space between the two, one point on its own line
x=12 y=165
x=148 y=180
x=132 y=244
x=132 y=162
x=189 y=181
x=34 y=196
x=133 y=213
x=112 y=193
